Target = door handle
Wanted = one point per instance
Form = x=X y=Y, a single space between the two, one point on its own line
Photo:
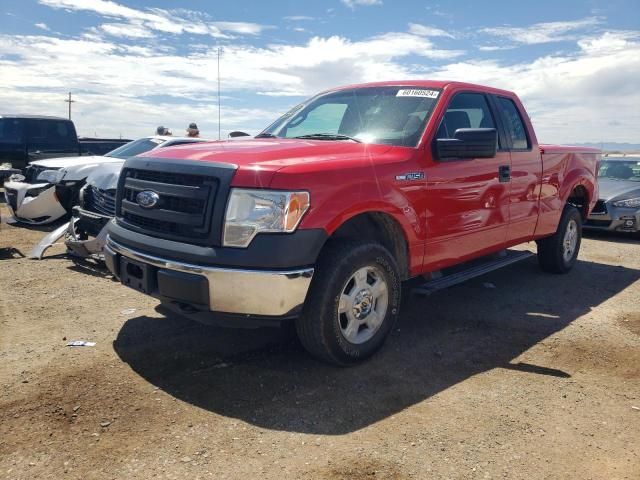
x=504 y=173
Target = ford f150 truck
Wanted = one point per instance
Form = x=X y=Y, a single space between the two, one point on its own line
x=323 y=215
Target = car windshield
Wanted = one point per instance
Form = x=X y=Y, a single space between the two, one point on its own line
x=387 y=115
x=134 y=148
x=620 y=169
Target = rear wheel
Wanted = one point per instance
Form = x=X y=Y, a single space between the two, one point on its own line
x=352 y=304
x=558 y=253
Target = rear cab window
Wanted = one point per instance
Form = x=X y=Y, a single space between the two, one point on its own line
x=513 y=123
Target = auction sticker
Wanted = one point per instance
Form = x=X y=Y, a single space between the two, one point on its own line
x=409 y=92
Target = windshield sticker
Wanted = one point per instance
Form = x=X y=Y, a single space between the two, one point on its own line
x=409 y=92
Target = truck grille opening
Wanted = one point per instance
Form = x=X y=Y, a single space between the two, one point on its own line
x=100 y=201
x=182 y=212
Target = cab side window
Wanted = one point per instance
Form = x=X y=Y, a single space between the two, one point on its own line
x=466 y=110
x=513 y=123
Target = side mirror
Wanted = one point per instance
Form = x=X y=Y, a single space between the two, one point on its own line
x=238 y=134
x=468 y=143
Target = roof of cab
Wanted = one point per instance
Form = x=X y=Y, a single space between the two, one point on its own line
x=424 y=84
x=36 y=117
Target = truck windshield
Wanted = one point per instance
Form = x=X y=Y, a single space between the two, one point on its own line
x=134 y=148
x=386 y=115
x=620 y=169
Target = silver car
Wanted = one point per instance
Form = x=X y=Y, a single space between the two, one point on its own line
x=618 y=208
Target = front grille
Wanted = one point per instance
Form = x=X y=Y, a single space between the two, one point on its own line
x=600 y=208
x=99 y=201
x=183 y=212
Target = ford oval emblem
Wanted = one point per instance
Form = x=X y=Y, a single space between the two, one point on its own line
x=147 y=199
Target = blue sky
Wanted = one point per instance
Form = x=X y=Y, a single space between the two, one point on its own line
x=133 y=65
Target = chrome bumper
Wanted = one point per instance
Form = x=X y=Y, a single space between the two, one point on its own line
x=246 y=292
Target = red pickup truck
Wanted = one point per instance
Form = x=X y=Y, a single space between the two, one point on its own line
x=323 y=215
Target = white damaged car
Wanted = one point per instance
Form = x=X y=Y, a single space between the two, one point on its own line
x=49 y=189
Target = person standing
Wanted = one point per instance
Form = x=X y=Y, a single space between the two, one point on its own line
x=193 y=131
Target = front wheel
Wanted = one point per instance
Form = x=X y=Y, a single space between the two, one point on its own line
x=352 y=304
x=558 y=253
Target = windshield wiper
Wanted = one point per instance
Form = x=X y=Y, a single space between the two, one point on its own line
x=265 y=135
x=328 y=136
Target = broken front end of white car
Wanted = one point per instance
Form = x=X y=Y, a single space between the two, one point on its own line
x=85 y=234
x=41 y=196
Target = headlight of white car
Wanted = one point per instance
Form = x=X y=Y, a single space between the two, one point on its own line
x=250 y=212
x=51 y=176
x=629 y=203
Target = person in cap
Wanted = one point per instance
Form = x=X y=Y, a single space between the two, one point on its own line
x=193 y=131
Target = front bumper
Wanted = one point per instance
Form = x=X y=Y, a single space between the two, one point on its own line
x=277 y=294
x=614 y=219
x=36 y=204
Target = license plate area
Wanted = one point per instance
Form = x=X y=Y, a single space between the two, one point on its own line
x=137 y=275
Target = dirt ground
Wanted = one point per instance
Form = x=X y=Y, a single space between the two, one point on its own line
x=538 y=377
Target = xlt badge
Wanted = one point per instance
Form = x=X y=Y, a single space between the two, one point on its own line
x=411 y=176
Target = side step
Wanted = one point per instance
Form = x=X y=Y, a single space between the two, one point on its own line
x=479 y=267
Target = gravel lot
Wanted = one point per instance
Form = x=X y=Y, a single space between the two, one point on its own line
x=538 y=377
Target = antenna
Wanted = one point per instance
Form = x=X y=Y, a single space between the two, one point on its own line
x=219 y=114
x=69 y=101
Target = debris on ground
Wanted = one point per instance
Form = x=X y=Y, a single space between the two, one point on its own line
x=81 y=343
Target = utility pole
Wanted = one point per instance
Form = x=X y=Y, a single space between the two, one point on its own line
x=69 y=101
x=219 y=114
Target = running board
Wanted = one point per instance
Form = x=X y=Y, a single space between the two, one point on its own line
x=493 y=263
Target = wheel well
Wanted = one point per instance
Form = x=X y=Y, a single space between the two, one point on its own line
x=579 y=198
x=380 y=227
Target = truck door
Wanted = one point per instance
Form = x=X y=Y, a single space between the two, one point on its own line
x=467 y=200
x=526 y=172
x=49 y=138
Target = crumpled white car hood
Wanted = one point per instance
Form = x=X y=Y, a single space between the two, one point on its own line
x=66 y=162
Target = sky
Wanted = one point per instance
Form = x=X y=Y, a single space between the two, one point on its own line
x=134 y=65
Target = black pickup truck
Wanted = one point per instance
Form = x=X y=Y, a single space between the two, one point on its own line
x=24 y=138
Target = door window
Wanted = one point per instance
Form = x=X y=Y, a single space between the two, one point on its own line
x=466 y=110
x=514 y=124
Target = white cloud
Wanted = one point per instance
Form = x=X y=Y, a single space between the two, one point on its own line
x=543 y=32
x=427 y=31
x=156 y=19
x=361 y=3
x=297 y=18
x=42 y=26
x=589 y=94
x=572 y=98
x=128 y=30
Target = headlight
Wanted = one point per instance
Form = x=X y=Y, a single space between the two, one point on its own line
x=250 y=212
x=629 y=203
x=51 y=176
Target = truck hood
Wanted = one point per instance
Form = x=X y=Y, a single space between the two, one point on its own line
x=610 y=188
x=258 y=159
x=65 y=162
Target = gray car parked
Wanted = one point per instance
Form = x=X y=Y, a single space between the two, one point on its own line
x=618 y=208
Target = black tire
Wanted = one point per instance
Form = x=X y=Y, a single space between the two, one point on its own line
x=321 y=326
x=552 y=255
